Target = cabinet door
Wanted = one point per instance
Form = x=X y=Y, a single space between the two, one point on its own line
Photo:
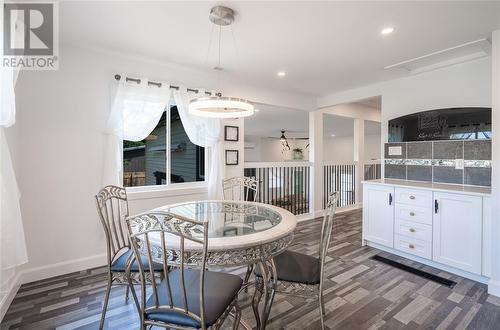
x=457 y=230
x=378 y=214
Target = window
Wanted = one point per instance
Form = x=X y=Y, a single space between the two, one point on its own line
x=150 y=162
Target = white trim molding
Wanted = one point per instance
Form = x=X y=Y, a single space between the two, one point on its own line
x=494 y=287
x=61 y=268
x=24 y=276
x=10 y=293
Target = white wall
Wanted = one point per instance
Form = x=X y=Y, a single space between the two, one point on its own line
x=341 y=149
x=462 y=85
x=372 y=147
x=61 y=119
x=338 y=149
x=270 y=150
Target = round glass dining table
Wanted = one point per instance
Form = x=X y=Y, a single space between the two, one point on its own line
x=243 y=233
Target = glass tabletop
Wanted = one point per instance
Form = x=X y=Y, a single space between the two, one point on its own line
x=227 y=219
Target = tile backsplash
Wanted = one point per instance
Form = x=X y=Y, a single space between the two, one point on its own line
x=435 y=161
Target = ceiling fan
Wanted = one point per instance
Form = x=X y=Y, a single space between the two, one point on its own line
x=284 y=140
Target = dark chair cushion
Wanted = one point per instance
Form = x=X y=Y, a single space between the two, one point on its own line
x=220 y=291
x=296 y=267
x=120 y=264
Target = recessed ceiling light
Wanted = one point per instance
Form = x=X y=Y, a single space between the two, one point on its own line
x=281 y=73
x=256 y=110
x=333 y=135
x=387 y=30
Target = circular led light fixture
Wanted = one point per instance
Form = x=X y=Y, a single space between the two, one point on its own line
x=281 y=74
x=387 y=30
x=221 y=107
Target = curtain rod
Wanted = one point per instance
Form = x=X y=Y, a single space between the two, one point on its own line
x=159 y=84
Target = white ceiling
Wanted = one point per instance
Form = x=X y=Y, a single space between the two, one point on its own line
x=323 y=46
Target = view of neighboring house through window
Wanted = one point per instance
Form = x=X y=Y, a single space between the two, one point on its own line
x=149 y=162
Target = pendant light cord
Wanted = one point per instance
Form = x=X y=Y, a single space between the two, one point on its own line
x=220 y=33
x=210 y=37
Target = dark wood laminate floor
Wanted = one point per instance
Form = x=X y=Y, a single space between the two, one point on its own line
x=361 y=293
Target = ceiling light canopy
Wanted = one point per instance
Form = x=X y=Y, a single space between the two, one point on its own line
x=387 y=30
x=218 y=106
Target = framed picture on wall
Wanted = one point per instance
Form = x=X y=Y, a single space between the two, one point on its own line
x=231 y=133
x=231 y=157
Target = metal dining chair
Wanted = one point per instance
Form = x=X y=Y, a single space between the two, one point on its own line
x=298 y=273
x=190 y=296
x=241 y=189
x=112 y=207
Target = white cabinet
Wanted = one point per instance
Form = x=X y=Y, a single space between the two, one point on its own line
x=487 y=237
x=378 y=214
x=413 y=222
x=442 y=226
x=457 y=231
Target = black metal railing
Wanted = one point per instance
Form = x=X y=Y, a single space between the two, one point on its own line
x=283 y=185
x=341 y=178
x=372 y=171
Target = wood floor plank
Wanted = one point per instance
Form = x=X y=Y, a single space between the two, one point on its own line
x=360 y=293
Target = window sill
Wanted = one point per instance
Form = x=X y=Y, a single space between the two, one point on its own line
x=177 y=189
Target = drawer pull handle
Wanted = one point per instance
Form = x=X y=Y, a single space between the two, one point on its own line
x=411 y=246
x=412 y=230
x=412 y=214
x=412 y=197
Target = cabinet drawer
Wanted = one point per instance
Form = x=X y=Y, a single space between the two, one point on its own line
x=414 y=230
x=414 y=213
x=414 y=197
x=414 y=246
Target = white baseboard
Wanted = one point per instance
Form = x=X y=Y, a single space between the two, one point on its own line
x=9 y=295
x=339 y=210
x=449 y=269
x=61 y=268
x=40 y=273
x=494 y=287
x=319 y=213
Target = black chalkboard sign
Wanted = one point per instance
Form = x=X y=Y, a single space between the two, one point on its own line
x=442 y=124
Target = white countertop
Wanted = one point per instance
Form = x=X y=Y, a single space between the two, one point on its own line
x=455 y=188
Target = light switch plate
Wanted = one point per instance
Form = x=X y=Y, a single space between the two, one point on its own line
x=459 y=164
x=395 y=151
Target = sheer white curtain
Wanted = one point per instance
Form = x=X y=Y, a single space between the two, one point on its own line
x=12 y=242
x=204 y=132
x=135 y=111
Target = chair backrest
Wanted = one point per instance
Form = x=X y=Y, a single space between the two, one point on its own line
x=112 y=206
x=160 y=237
x=326 y=227
x=240 y=189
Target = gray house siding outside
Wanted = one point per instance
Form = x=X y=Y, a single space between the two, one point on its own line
x=183 y=159
x=183 y=162
x=155 y=153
